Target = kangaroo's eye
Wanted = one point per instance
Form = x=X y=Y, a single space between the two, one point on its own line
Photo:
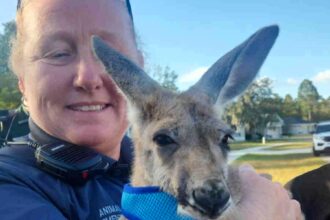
x=226 y=138
x=225 y=141
x=163 y=140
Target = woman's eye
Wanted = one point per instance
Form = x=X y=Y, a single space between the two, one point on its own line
x=58 y=57
x=61 y=55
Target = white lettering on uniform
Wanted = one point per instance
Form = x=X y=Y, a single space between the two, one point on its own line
x=113 y=217
x=110 y=212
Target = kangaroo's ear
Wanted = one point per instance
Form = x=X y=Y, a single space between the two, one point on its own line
x=131 y=79
x=234 y=72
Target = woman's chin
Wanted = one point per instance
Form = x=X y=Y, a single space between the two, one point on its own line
x=100 y=141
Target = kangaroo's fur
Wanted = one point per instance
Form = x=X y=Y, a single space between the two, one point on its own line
x=180 y=140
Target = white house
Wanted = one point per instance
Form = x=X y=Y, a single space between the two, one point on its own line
x=239 y=134
x=297 y=126
x=274 y=129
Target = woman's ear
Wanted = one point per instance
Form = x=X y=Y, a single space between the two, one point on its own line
x=21 y=85
x=22 y=90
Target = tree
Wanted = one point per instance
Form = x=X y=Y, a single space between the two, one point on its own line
x=290 y=108
x=165 y=76
x=256 y=108
x=5 y=38
x=10 y=97
x=308 y=99
x=323 y=110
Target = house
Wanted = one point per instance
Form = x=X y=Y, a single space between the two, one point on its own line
x=278 y=128
x=288 y=126
x=239 y=134
x=297 y=126
x=274 y=129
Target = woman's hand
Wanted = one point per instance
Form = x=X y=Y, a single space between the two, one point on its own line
x=263 y=199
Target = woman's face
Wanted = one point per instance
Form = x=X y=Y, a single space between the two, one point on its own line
x=67 y=91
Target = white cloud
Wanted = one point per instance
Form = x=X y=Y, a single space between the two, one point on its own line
x=193 y=76
x=322 y=77
x=292 y=81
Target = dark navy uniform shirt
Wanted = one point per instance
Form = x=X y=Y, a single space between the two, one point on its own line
x=27 y=192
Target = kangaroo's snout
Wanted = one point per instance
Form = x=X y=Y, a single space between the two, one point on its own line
x=213 y=198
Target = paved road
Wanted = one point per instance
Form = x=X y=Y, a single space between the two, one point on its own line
x=233 y=155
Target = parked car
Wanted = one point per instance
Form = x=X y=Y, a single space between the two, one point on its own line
x=321 y=138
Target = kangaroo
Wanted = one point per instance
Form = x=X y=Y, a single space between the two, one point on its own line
x=180 y=142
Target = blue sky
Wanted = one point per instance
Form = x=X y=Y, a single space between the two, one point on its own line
x=190 y=35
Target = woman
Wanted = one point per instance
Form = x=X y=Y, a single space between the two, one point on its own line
x=72 y=101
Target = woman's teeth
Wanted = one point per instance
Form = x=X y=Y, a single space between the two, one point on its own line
x=89 y=108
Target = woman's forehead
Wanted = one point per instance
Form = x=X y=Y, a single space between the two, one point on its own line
x=75 y=13
x=128 y=6
x=58 y=5
x=70 y=21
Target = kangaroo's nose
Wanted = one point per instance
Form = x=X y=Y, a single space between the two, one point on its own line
x=212 y=197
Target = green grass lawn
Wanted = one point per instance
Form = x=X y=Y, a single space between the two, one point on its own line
x=244 y=145
x=297 y=137
x=282 y=167
x=250 y=144
x=292 y=142
x=294 y=145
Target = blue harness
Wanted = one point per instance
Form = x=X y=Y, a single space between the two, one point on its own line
x=149 y=203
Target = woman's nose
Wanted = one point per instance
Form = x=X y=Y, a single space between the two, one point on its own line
x=89 y=74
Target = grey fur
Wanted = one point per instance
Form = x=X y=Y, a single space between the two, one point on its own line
x=239 y=65
x=127 y=74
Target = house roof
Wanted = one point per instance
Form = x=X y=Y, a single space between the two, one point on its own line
x=277 y=122
x=295 y=120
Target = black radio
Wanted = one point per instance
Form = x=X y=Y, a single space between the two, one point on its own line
x=69 y=162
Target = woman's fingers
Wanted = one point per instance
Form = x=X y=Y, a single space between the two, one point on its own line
x=264 y=199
